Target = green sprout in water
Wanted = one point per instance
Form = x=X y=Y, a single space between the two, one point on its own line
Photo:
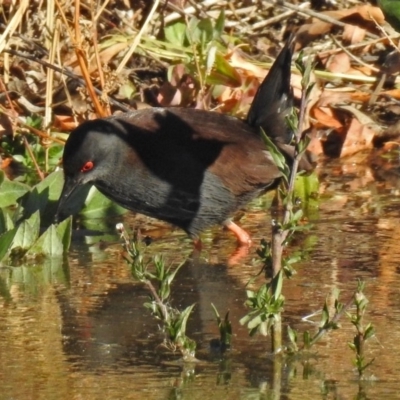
x=363 y=333
x=225 y=329
x=148 y=272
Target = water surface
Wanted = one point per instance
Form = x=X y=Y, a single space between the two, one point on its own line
x=77 y=328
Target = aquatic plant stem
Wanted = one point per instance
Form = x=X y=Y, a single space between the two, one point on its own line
x=131 y=246
x=158 y=301
x=280 y=232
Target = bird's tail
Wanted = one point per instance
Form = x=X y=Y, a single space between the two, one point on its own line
x=274 y=98
x=273 y=102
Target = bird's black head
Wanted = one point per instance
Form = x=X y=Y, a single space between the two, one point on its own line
x=88 y=153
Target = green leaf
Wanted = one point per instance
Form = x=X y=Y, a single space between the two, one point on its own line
x=299 y=62
x=217 y=316
x=292 y=335
x=6 y=223
x=391 y=10
x=369 y=332
x=307 y=68
x=324 y=316
x=224 y=73
x=182 y=321
x=192 y=33
x=20 y=159
x=309 y=89
x=44 y=197
x=276 y=155
x=55 y=152
x=219 y=25
x=250 y=294
x=5 y=242
x=10 y=191
x=176 y=33
x=171 y=275
x=127 y=90
x=204 y=32
x=151 y=306
x=227 y=322
x=97 y=206
x=27 y=232
x=255 y=322
x=49 y=244
x=360 y=285
x=64 y=230
x=307 y=339
x=297 y=216
x=164 y=291
x=265 y=327
x=52 y=185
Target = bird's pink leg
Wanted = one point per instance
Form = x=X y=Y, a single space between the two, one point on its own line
x=242 y=236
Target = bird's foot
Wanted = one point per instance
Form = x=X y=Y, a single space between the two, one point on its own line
x=242 y=236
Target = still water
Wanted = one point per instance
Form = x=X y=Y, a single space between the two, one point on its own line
x=77 y=328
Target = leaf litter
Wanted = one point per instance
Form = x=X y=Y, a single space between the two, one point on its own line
x=65 y=62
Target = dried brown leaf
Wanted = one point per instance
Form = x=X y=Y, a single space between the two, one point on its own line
x=359 y=137
x=353 y=34
x=325 y=118
x=359 y=15
x=339 y=62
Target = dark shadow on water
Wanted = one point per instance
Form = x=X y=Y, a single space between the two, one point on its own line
x=117 y=324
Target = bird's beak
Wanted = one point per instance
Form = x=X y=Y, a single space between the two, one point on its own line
x=70 y=184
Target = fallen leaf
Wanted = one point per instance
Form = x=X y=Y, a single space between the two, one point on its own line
x=325 y=117
x=359 y=15
x=339 y=62
x=353 y=34
x=358 y=137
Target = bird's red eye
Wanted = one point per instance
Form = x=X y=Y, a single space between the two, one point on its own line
x=87 y=166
